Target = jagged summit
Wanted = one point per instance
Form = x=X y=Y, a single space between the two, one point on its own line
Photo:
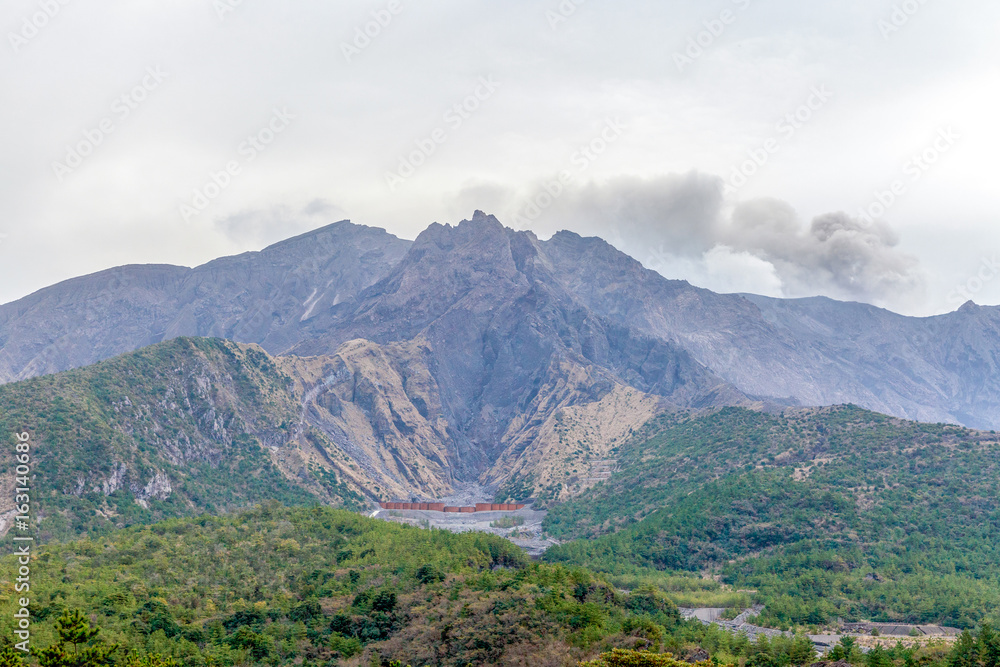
x=483 y=218
x=482 y=229
x=496 y=307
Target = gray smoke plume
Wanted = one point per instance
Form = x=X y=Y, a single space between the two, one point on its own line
x=682 y=226
x=836 y=255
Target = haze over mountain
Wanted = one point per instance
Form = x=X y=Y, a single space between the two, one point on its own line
x=509 y=329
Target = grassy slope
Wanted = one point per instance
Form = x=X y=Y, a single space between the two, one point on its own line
x=827 y=513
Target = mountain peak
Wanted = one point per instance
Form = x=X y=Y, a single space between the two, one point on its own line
x=334 y=231
x=482 y=229
x=481 y=219
x=969 y=306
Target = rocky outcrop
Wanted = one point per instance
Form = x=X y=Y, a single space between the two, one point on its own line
x=377 y=415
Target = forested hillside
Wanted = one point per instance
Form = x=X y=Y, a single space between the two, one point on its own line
x=178 y=428
x=834 y=512
x=277 y=585
x=820 y=513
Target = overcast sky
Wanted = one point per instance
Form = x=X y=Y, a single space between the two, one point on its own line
x=773 y=146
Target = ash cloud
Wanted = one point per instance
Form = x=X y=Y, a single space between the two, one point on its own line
x=682 y=226
x=835 y=254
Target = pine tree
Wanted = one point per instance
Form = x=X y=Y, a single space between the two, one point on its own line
x=989 y=646
x=802 y=651
x=963 y=654
x=877 y=657
x=78 y=645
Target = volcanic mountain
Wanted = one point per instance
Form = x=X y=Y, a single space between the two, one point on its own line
x=477 y=353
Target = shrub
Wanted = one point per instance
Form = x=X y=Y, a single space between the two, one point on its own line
x=345 y=647
x=246 y=638
x=620 y=657
x=305 y=611
x=384 y=601
x=428 y=574
x=249 y=617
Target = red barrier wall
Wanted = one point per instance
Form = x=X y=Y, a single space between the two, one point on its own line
x=440 y=507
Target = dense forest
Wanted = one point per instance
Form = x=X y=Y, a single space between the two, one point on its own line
x=826 y=513
x=274 y=585
x=317 y=586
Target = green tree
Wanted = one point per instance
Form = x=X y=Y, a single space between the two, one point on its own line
x=78 y=645
x=963 y=653
x=384 y=601
x=149 y=660
x=801 y=651
x=257 y=644
x=762 y=660
x=620 y=657
x=843 y=650
x=305 y=611
x=989 y=646
x=429 y=574
x=877 y=657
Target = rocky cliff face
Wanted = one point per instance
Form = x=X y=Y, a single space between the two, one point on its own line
x=478 y=353
x=505 y=343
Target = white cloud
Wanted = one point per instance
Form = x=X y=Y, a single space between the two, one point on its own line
x=731 y=271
